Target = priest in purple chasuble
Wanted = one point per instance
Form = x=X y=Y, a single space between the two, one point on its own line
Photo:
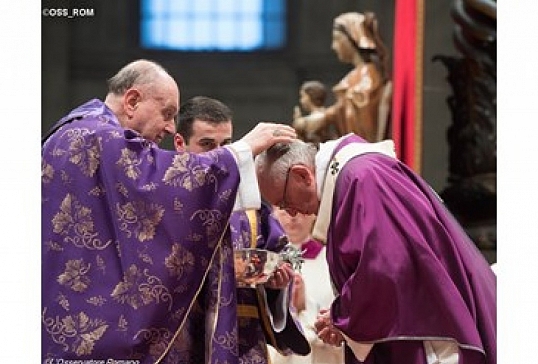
x=264 y=314
x=203 y=124
x=133 y=235
x=411 y=286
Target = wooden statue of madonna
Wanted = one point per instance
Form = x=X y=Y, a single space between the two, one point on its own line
x=363 y=96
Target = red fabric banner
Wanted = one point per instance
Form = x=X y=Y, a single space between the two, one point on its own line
x=407 y=82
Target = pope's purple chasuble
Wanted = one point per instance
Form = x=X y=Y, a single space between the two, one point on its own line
x=404 y=269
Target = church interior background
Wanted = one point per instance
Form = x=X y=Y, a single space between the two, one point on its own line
x=455 y=127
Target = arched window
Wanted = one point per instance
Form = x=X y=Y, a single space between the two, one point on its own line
x=213 y=25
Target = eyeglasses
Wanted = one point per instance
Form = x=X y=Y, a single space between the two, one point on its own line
x=283 y=205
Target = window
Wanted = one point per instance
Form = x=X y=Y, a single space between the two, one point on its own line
x=213 y=25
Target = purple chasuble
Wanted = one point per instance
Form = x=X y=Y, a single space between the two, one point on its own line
x=133 y=238
x=404 y=269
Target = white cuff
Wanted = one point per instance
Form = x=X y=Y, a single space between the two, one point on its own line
x=248 y=194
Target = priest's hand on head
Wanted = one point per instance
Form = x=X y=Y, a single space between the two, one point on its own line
x=264 y=135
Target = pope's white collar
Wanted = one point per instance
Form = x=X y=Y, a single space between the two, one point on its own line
x=323 y=157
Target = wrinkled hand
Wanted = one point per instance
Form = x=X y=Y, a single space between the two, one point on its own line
x=281 y=277
x=264 y=135
x=326 y=331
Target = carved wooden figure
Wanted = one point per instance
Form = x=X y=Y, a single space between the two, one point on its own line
x=363 y=96
x=312 y=98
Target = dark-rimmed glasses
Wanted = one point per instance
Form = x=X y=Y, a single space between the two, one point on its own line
x=283 y=205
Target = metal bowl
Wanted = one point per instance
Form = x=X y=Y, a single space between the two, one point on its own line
x=254 y=266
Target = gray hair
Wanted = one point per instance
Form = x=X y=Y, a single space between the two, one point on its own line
x=140 y=72
x=275 y=161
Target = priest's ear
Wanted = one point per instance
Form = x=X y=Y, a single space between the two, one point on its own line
x=131 y=99
x=179 y=142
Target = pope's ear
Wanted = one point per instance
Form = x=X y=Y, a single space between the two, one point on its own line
x=304 y=173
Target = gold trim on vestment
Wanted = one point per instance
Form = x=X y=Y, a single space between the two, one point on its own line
x=250 y=311
x=253 y=222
